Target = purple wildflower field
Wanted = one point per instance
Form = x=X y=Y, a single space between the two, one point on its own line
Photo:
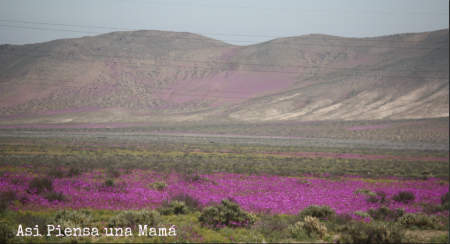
x=255 y=193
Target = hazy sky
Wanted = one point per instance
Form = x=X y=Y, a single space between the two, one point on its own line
x=278 y=18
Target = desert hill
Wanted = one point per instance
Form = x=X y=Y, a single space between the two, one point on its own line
x=154 y=76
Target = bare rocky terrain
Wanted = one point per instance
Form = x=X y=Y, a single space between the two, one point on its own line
x=168 y=77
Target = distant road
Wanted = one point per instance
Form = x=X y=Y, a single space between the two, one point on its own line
x=231 y=139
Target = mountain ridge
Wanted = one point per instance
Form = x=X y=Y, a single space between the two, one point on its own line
x=173 y=77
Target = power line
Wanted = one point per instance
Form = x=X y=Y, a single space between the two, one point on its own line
x=285 y=43
x=221 y=34
x=282 y=9
x=225 y=63
x=222 y=69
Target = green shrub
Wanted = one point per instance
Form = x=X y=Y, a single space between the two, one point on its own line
x=82 y=217
x=436 y=208
x=130 y=218
x=384 y=213
x=6 y=233
x=298 y=233
x=320 y=212
x=174 y=207
x=420 y=220
x=273 y=227
x=404 y=197
x=73 y=172
x=361 y=214
x=39 y=185
x=55 y=196
x=365 y=192
x=445 y=199
x=159 y=185
x=312 y=226
x=32 y=220
x=373 y=232
x=55 y=173
x=227 y=213
x=192 y=203
x=114 y=173
x=380 y=197
x=3 y=205
x=109 y=183
x=194 y=177
x=8 y=196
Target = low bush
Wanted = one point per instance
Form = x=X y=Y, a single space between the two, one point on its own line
x=113 y=173
x=380 y=197
x=321 y=212
x=365 y=192
x=194 y=177
x=420 y=220
x=8 y=196
x=55 y=196
x=29 y=220
x=82 y=217
x=173 y=207
x=3 y=205
x=312 y=226
x=404 y=197
x=159 y=185
x=228 y=213
x=73 y=172
x=297 y=232
x=436 y=208
x=56 y=173
x=273 y=227
x=192 y=203
x=6 y=233
x=373 y=232
x=338 y=222
x=361 y=214
x=130 y=218
x=109 y=183
x=445 y=199
x=39 y=185
x=385 y=214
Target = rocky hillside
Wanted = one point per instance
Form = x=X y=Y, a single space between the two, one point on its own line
x=154 y=76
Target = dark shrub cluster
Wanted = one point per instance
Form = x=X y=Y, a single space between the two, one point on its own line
x=113 y=173
x=445 y=199
x=109 y=183
x=194 y=177
x=404 y=197
x=192 y=203
x=380 y=197
x=130 y=218
x=384 y=213
x=73 y=172
x=274 y=226
x=82 y=217
x=56 y=173
x=375 y=232
x=227 y=213
x=420 y=220
x=55 y=196
x=39 y=185
x=173 y=207
x=6 y=233
x=321 y=212
x=33 y=220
